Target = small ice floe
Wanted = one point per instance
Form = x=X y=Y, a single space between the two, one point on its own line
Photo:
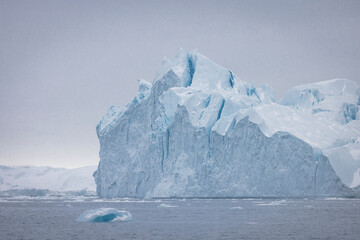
x=164 y=205
x=335 y=199
x=238 y=207
x=274 y=203
x=105 y=215
x=120 y=200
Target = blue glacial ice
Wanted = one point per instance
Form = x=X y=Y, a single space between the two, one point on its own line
x=200 y=131
x=105 y=215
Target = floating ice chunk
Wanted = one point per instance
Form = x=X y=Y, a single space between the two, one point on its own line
x=105 y=215
x=164 y=205
x=336 y=199
x=274 y=203
x=238 y=207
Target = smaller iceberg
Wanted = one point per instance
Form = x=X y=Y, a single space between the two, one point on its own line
x=105 y=215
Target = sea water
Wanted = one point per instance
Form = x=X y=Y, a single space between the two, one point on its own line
x=53 y=218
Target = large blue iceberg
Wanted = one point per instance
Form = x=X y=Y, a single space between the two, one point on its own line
x=199 y=131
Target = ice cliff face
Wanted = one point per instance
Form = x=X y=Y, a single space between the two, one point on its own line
x=199 y=131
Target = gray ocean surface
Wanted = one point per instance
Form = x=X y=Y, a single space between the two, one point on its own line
x=38 y=218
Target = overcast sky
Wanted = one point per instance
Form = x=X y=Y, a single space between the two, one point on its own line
x=62 y=63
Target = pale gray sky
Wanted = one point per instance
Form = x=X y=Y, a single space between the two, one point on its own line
x=62 y=63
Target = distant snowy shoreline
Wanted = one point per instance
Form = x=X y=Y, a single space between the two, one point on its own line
x=42 y=181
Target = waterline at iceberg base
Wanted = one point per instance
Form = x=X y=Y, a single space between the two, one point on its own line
x=199 y=131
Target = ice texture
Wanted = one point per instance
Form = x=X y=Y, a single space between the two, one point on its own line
x=105 y=215
x=200 y=131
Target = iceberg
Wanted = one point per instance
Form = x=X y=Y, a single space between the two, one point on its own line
x=104 y=215
x=200 y=131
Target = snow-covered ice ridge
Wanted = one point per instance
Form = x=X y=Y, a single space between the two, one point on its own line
x=199 y=131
